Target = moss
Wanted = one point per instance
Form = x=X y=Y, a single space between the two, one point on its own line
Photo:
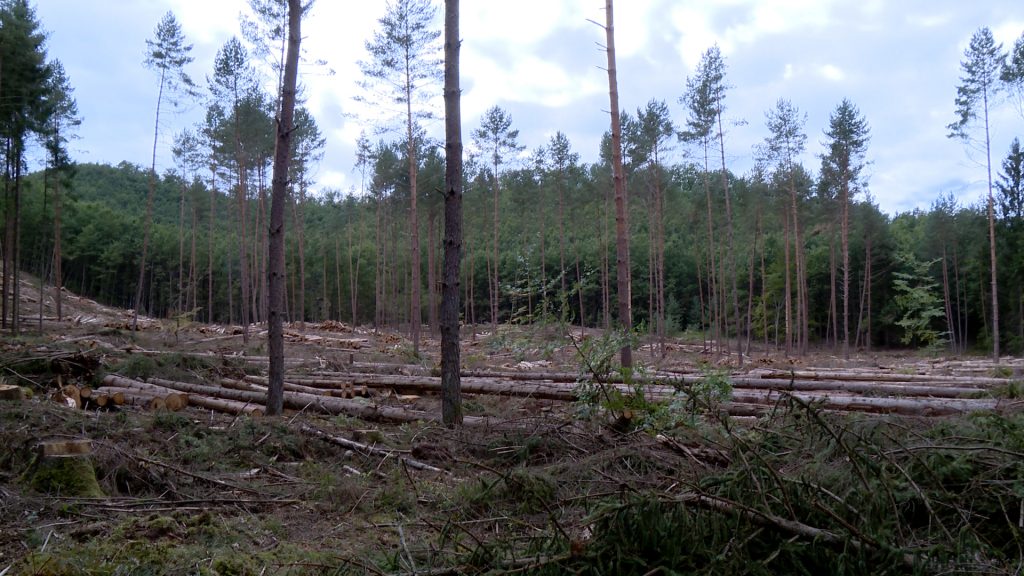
x=66 y=476
x=137 y=366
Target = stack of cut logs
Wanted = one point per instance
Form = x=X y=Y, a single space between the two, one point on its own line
x=118 y=391
x=752 y=393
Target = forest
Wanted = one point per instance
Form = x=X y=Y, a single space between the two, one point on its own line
x=785 y=257
x=652 y=363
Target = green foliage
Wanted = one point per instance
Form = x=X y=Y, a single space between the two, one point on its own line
x=918 y=303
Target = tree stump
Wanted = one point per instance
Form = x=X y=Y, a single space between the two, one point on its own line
x=64 y=467
x=11 y=392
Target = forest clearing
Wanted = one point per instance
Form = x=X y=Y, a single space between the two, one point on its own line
x=887 y=463
x=689 y=349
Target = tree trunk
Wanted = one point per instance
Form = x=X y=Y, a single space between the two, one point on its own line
x=279 y=189
x=622 y=261
x=431 y=277
x=495 y=286
x=992 y=241
x=58 y=279
x=730 y=249
x=209 y=246
x=415 y=314
x=146 y=225
x=451 y=386
x=845 y=231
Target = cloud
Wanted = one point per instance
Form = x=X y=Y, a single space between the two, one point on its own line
x=832 y=72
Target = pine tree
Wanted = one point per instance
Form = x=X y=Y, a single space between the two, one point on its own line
x=167 y=54
x=496 y=140
x=64 y=119
x=403 y=68
x=782 y=148
x=841 y=167
x=451 y=396
x=1012 y=73
x=623 y=268
x=983 y=62
x=23 y=110
x=282 y=154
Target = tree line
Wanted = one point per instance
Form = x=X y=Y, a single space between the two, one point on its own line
x=785 y=257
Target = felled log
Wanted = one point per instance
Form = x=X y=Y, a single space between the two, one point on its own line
x=368 y=450
x=147 y=399
x=226 y=406
x=879 y=376
x=335 y=389
x=148 y=395
x=308 y=402
x=904 y=406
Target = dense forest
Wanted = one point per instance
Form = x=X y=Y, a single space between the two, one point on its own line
x=785 y=257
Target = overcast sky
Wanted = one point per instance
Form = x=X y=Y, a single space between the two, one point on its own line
x=897 y=60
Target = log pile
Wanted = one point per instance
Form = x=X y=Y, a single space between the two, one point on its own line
x=752 y=393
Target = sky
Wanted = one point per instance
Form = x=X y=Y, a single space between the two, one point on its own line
x=541 y=61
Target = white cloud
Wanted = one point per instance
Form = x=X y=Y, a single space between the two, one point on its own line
x=832 y=72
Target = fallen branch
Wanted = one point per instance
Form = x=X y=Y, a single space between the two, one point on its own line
x=366 y=449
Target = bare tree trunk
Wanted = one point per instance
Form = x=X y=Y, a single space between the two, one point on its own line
x=243 y=252
x=181 y=248
x=415 y=314
x=846 y=268
x=58 y=279
x=451 y=395
x=495 y=286
x=209 y=247
x=431 y=277
x=868 y=280
x=730 y=249
x=789 y=283
x=282 y=151
x=149 y=208
x=622 y=261
x=992 y=240
x=947 y=302
x=300 y=211
x=192 y=265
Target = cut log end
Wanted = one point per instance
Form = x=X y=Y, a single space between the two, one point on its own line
x=11 y=392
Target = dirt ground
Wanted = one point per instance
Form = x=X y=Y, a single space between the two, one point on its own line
x=609 y=483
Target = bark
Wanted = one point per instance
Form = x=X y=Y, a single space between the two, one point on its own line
x=279 y=188
x=209 y=246
x=730 y=250
x=415 y=313
x=149 y=206
x=451 y=394
x=846 y=268
x=992 y=236
x=431 y=273
x=622 y=261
